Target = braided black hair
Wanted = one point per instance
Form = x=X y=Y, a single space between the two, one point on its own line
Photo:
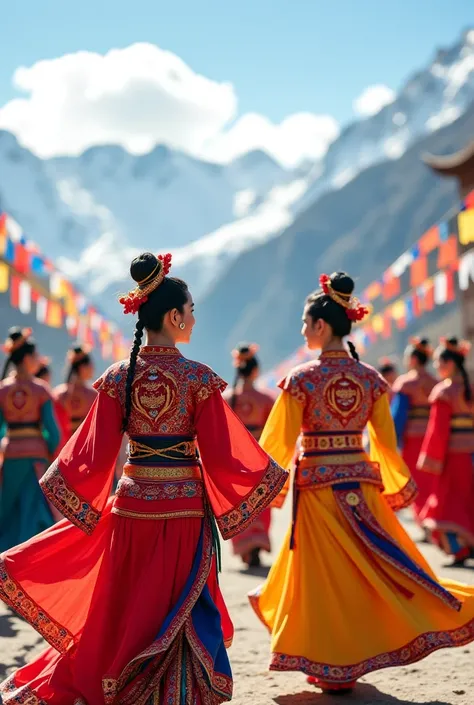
x=171 y=294
x=448 y=354
x=17 y=356
x=419 y=350
x=74 y=367
x=321 y=306
x=243 y=370
x=137 y=341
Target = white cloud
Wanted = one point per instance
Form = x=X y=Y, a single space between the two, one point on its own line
x=373 y=99
x=298 y=137
x=141 y=96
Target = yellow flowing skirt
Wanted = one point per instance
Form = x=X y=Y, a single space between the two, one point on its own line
x=337 y=609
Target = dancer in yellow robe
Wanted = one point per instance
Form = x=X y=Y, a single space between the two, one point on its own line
x=349 y=592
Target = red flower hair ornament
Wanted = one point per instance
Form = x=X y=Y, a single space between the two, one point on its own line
x=355 y=311
x=424 y=348
x=462 y=348
x=132 y=301
x=11 y=345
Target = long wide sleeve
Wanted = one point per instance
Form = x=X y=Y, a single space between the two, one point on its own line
x=78 y=482
x=399 y=408
x=280 y=435
x=240 y=478
x=436 y=440
x=399 y=488
x=50 y=426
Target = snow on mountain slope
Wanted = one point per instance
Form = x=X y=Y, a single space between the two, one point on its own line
x=91 y=213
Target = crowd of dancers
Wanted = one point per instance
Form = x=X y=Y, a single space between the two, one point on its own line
x=125 y=587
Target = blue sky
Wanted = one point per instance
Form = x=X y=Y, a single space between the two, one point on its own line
x=282 y=56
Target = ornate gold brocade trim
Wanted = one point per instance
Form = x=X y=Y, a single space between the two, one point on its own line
x=138 y=472
x=332 y=442
x=183 y=514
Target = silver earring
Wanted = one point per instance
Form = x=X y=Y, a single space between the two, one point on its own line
x=182 y=326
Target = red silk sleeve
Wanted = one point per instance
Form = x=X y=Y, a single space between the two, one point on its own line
x=64 y=425
x=78 y=482
x=240 y=478
x=435 y=442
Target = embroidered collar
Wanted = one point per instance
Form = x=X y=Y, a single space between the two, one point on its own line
x=335 y=354
x=159 y=350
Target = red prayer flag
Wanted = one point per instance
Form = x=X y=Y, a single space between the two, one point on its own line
x=469 y=200
x=429 y=302
x=450 y=286
x=391 y=286
x=419 y=271
x=429 y=241
x=447 y=252
x=21 y=261
x=15 y=291
x=417 y=309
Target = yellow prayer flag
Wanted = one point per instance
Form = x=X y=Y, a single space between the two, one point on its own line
x=378 y=323
x=398 y=310
x=4 y=277
x=466 y=227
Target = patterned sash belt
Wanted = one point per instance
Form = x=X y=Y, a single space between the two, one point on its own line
x=162 y=474
x=24 y=429
x=161 y=480
x=332 y=443
x=462 y=434
x=162 y=450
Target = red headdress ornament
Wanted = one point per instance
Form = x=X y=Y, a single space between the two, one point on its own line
x=424 y=348
x=132 y=301
x=241 y=357
x=462 y=348
x=10 y=345
x=354 y=309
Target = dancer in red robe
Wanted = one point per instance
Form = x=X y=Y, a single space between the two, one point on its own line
x=75 y=395
x=253 y=408
x=410 y=411
x=125 y=590
x=60 y=414
x=447 y=454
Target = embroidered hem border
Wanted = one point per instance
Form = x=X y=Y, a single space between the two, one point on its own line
x=370 y=521
x=22 y=695
x=414 y=651
x=71 y=505
x=404 y=498
x=236 y=520
x=15 y=597
x=163 y=644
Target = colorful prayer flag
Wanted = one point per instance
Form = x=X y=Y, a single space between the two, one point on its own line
x=466 y=227
x=4 y=277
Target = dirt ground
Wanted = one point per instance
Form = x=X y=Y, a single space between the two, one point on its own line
x=445 y=678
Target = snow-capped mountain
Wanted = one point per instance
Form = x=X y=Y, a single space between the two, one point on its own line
x=92 y=213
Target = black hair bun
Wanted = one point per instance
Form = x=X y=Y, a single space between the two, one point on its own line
x=342 y=283
x=453 y=341
x=15 y=333
x=142 y=266
x=424 y=342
